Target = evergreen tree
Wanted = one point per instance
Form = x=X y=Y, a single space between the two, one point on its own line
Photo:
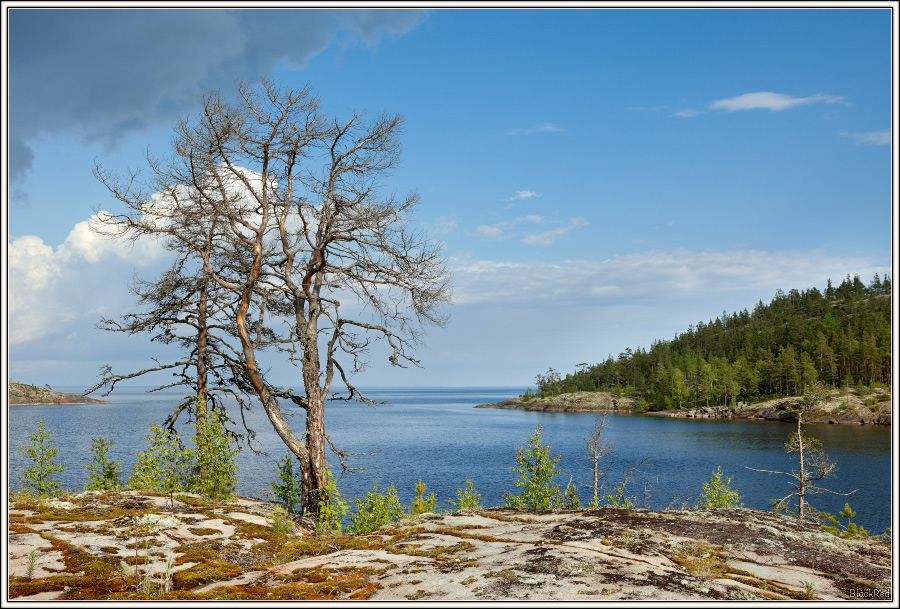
x=41 y=454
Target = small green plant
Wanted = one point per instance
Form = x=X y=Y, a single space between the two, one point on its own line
x=288 y=487
x=41 y=453
x=467 y=499
x=536 y=469
x=215 y=470
x=375 y=510
x=332 y=507
x=104 y=474
x=570 y=498
x=834 y=525
x=717 y=493
x=32 y=564
x=420 y=503
x=280 y=520
x=618 y=498
x=810 y=592
x=165 y=466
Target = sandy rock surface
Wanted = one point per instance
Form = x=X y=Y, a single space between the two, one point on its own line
x=129 y=546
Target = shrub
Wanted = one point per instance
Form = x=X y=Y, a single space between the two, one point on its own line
x=536 y=472
x=375 y=510
x=165 y=466
x=467 y=499
x=104 y=474
x=420 y=503
x=332 y=507
x=288 y=487
x=41 y=453
x=851 y=530
x=717 y=493
x=215 y=470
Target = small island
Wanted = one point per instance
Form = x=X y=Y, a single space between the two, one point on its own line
x=20 y=394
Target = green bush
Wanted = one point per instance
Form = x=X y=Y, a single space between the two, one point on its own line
x=536 y=469
x=288 y=487
x=41 y=453
x=104 y=474
x=467 y=499
x=166 y=466
x=834 y=525
x=215 y=472
x=332 y=508
x=717 y=493
x=375 y=510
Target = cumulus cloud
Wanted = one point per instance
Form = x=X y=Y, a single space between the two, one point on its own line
x=542 y=128
x=762 y=100
x=644 y=278
x=873 y=138
x=50 y=289
x=101 y=74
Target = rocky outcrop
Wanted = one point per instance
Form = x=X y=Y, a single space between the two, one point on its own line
x=127 y=546
x=25 y=395
x=838 y=408
x=582 y=401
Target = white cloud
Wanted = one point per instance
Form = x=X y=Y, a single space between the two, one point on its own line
x=873 y=138
x=548 y=237
x=687 y=113
x=50 y=289
x=648 y=277
x=766 y=100
x=762 y=100
x=523 y=194
x=542 y=128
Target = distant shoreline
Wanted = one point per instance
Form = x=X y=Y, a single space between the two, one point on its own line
x=20 y=394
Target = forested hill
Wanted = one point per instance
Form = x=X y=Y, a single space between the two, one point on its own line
x=839 y=338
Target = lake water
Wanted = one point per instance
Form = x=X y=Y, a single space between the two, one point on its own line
x=437 y=435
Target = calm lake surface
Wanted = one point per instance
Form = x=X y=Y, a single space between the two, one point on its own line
x=437 y=435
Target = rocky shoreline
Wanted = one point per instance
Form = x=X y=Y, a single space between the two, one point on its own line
x=20 y=394
x=126 y=545
x=582 y=401
x=838 y=409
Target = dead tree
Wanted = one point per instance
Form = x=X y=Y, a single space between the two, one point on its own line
x=813 y=464
x=291 y=222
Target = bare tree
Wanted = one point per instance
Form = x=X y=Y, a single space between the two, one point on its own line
x=813 y=463
x=599 y=450
x=282 y=206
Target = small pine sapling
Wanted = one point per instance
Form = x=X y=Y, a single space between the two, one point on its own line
x=536 y=469
x=215 y=470
x=288 y=487
x=717 y=493
x=467 y=499
x=104 y=474
x=332 y=507
x=165 y=466
x=41 y=454
x=420 y=503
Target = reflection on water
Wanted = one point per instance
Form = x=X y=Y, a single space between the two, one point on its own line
x=436 y=435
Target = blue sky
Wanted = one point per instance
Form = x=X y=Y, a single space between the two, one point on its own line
x=600 y=177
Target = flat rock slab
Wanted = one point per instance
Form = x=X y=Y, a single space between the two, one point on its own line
x=126 y=546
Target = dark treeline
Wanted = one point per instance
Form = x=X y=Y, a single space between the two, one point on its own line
x=840 y=338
